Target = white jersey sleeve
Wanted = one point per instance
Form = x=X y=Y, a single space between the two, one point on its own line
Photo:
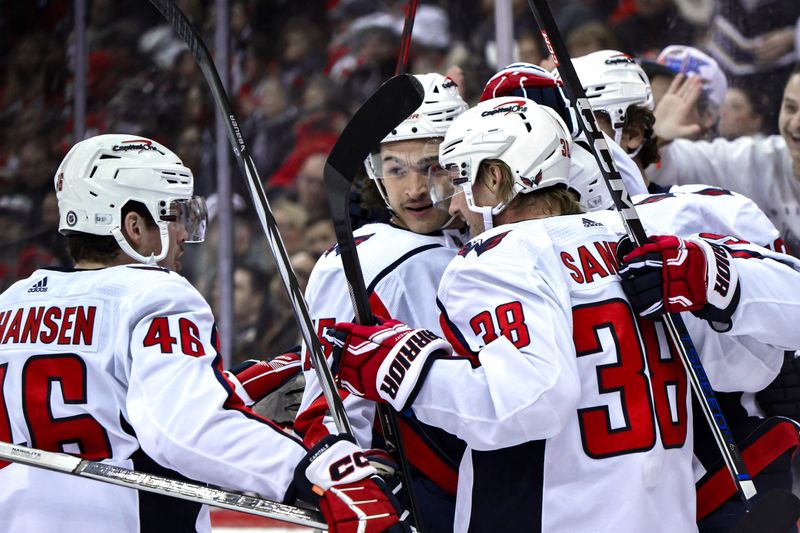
x=769 y=302
x=185 y=413
x=688 y=209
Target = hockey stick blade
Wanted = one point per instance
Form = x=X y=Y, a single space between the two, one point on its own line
x=392 y=103
x=106 y=473
x=774 y=512
x=388 y=106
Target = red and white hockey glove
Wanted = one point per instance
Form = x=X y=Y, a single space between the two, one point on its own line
x=337 y=476
x=255 y=380
x=387 y=362
x=671 y=275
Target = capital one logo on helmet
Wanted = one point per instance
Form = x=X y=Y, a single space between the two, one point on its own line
x=517 y=106
x=449 y=82
x=618 y=59
x=138 y=144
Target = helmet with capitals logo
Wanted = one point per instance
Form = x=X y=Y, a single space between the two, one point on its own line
x=531 y=139
x=101 y=174
x=613 y=81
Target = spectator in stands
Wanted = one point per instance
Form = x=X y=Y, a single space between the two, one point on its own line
x=529 y=49
x=654 y=25
x=765 y=169
x=741 y=114
x=291 y=219
x=318 y=237
x=660 y=77
x=754 y=43
x=282 y=334
x=251 y=312
x=269 y=128
x=691 y=61
x=310 y=185
x=589 y=37
x=300 y=44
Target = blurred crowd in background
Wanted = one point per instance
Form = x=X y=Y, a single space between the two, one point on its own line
x=297 y=72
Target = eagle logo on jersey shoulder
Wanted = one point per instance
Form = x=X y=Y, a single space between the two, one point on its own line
x=480 y=246
x=713 y=191
x=357 y=240
x=653 y=198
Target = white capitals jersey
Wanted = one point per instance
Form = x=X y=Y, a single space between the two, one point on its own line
x=688 y=209
x=120 y=365
x=761 y=168
x=578 y=418
x=401 y=270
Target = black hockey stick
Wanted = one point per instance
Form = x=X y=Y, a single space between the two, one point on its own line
x=192 y=38
x=405 y=40
x=193 y=492
x=673 y=323
x=390 y=105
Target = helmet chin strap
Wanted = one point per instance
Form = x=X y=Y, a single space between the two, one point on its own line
x=152 y=259
x=488 y=213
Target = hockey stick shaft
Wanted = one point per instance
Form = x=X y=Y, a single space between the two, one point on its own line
x=405 y=40
x=405 y=93
x=673 y=323
x=68 y=464
x=192 y=38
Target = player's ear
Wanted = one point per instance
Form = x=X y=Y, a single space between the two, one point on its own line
x=494 y=177
x=134 y=227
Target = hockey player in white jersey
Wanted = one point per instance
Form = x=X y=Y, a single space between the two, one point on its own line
x=621 y=98
x=402 y=262
x=556 y=386
x=116 y=360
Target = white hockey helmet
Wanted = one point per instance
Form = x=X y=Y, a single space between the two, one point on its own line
x=441 y=105
x=531 y=139
x=613 y=81
x=101 y=174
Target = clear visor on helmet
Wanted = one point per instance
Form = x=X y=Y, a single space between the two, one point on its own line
x=192 y=214
x=397 y=160
x=409 y=163
x=454 y=177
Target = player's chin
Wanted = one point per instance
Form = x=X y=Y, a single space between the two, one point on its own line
x=424 y=221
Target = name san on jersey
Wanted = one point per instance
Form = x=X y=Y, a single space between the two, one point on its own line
x=72 y=325
x=588 y=261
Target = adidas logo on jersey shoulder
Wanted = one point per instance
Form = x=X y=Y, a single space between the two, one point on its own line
x=39 y=286
x=591 y=224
